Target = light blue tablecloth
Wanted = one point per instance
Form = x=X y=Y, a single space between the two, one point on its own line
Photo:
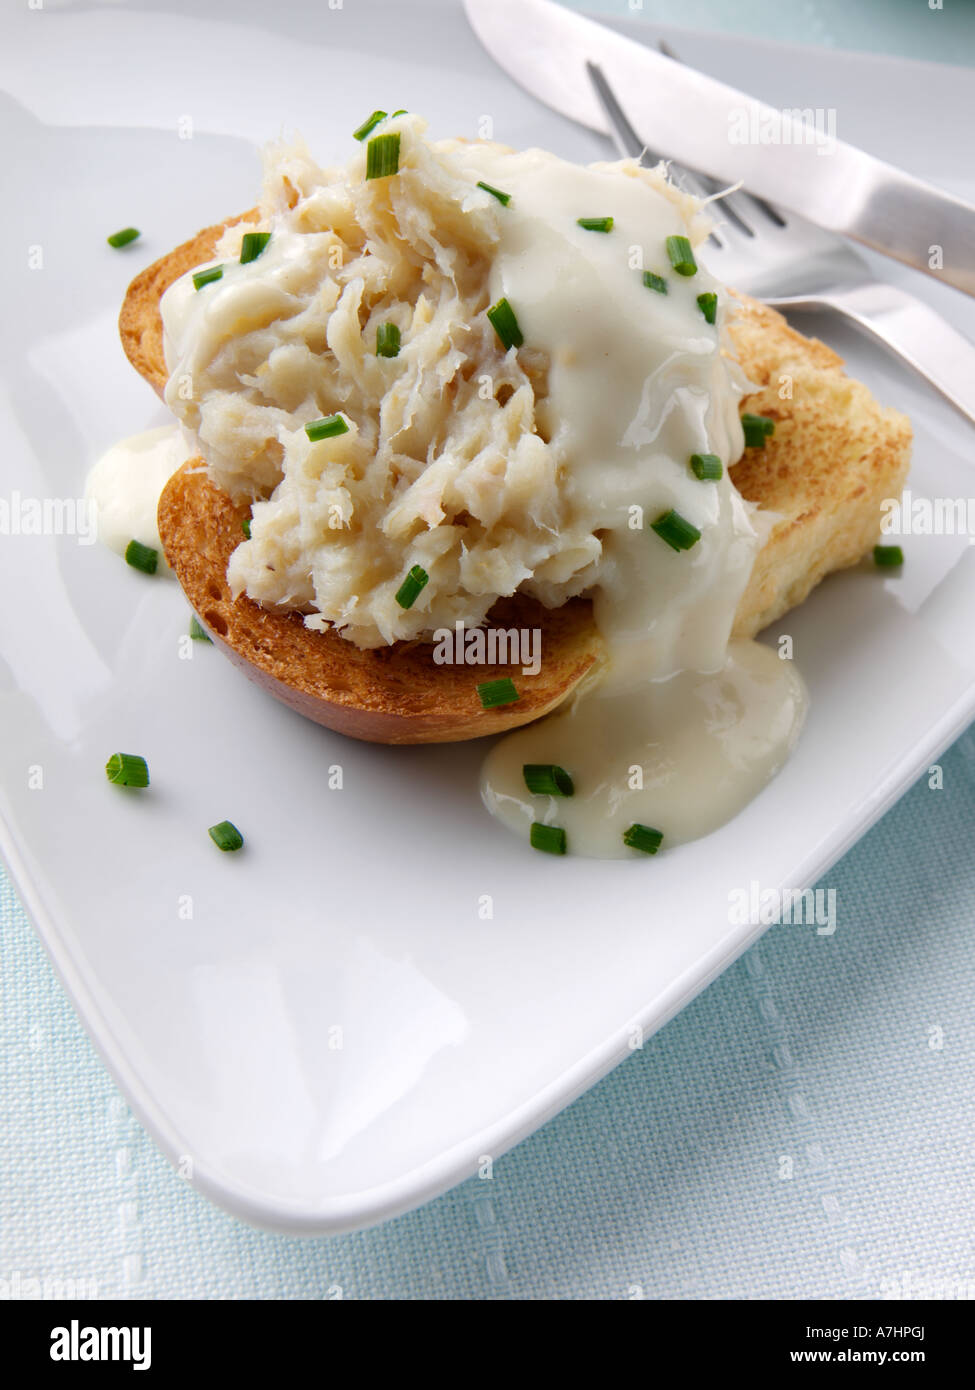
x=802 y=1129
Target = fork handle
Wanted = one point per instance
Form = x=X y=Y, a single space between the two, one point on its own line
x=916 y=333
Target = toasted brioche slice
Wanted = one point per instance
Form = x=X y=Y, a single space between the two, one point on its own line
x=835 y=454
x=139 y=322
x=392 y=694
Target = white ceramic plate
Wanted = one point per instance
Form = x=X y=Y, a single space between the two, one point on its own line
x=352 y=917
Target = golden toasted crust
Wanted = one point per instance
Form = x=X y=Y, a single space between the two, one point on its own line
x=139 y=324
x=392 y=694
x=834 y=456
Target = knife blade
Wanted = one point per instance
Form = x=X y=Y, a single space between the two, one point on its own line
x=710 y=126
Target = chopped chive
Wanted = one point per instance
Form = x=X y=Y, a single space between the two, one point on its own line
x=643 y=837
x=409 y=591
x=756 y=428
x=226 y=836
x=505 y=324
x=888 y=556
x=504 y=198
x=207 y=277
x=707 y=467
x=499 y=692
x=245 y=526
x=550 y=839
x=141 y=557
x=122 y=238
x=547 y=779
x=676 y=530
x=327 y=428
x=681 y=255
x=251 y=246
x=198 y=632
x=370 y=124
x=595 y=224
x=127 y=770
x=387 y=340
x=708 y=305
x=654 y=282
x=382 y=156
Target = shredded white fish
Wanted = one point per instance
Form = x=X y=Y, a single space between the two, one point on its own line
x=449 y=461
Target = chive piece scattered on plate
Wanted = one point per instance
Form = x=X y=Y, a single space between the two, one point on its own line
x=226 y=836
x=550 y=839
x=124 y=237
x=127 y=770
x=888 y=557
x=141 y=557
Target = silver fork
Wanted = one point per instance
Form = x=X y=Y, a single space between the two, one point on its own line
x=790 y=263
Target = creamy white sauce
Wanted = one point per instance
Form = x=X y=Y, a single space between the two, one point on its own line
x=676 y=732
x=682 y=755
x=197 y=323
x=126 y=482
x=636 y=385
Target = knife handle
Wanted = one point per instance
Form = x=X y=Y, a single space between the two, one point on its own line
x=918 y=334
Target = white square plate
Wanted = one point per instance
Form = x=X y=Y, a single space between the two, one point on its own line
x=335 y=1034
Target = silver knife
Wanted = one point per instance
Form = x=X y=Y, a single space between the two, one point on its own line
x=693 y=117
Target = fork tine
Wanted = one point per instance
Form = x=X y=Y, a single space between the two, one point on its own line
x=769 y=209
x=624 y=136
x=629 y=143
x=727 y=202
